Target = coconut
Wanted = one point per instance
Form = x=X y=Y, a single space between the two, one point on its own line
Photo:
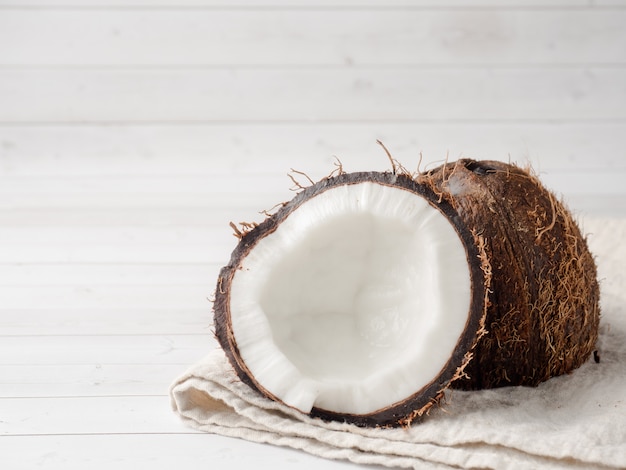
x=543 y=311
x=369 y=294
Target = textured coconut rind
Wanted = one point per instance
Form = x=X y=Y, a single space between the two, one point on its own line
x=543 y=311
x=414 y=407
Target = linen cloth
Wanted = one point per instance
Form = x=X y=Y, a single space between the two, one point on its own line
x=573 y=421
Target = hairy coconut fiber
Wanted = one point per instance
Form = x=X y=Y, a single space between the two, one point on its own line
x=534 y=309
x=543 y=313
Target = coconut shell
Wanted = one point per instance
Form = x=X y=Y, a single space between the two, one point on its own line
x=543 y=310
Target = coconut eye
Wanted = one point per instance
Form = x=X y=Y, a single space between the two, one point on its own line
x=480 y=168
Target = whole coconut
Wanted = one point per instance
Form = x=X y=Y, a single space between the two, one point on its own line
x=369 y=294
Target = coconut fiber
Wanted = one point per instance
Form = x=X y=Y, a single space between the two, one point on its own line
x=576 y=420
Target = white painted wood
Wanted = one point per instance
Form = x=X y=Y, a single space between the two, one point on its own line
x=115 y=349
x=309 y=4
x=87 y=415
x=133 y=131
x=55 y=321
x=312 y=37
x=106 y=273
x=591 y=190
x=320 y=94
x=129 y=234
x=178 y=192
x=208 y=150
x=85 y=380
x=583 y=205
x=204 y=191
x=106 y=217
x=130 y=451
x=209 y=252
x=103 y=296
x=163 y=218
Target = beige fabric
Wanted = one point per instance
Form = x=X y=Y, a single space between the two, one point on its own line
x=574 y=421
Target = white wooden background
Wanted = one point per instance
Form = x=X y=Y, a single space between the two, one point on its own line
x=133 y=131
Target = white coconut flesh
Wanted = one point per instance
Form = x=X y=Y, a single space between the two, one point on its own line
x=355 y=302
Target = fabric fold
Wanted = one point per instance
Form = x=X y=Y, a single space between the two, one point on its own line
x=572 y=421
x=492 y=428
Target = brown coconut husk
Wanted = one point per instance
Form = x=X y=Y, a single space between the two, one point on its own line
x=543 y=313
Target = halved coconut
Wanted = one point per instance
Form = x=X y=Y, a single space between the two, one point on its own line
x=360 y=300
x=365 y=297
x=544 y=308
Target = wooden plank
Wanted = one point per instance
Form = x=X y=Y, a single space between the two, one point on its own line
x=164 y=235
x=86 y=380
x=308 y=4
x=137 y=217
x=107 y=296
x=217 y=248
x=571 y=183
x=611 y=3
x=305 y=94
x=24 y=193
x=129 y=451
x=120 y=350
x=54 y=321
x=611 y=206
x=204 y=192
x=210 y=252
x=248 y=150
x=361 y=37
x=87 y=415
x=153 y=274
x=137 y=185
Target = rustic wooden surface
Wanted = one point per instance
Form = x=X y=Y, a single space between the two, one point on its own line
x=132 y=133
